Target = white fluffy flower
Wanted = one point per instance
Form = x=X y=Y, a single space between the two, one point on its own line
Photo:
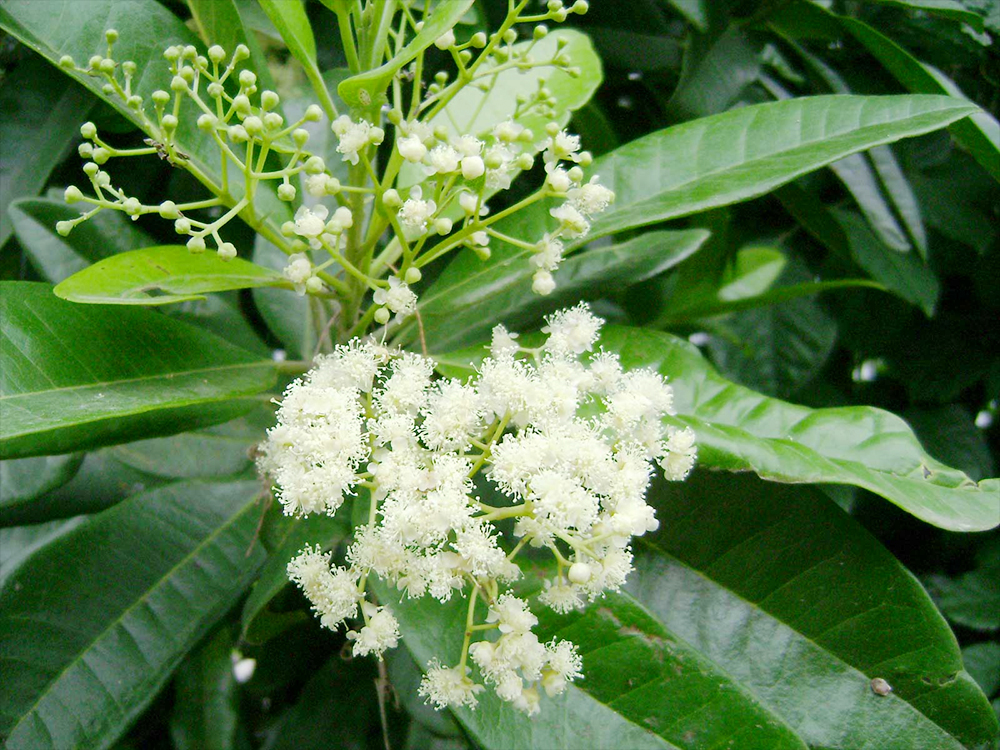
x=310 y=223
x=353 y=137
x=399 y=298
x=381 y=632
x=414 y=215
x=572 y=222
x=298 y=270
x=572 y=331
x=332 y=593
x=442 y=159
x=561 y=146
x=411 y=148
x=446 y=687
x=591 y=197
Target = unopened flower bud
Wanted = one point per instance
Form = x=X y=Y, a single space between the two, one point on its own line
x=332 y=185
x=182 y=226
x=286 y=192
x=214 y=90
x=242 y=104
x=300 y=136
x=108 y=89
x=103 y=179
x=178 y=84
x=196 y=244
x=443 y=225
x=227 y=251
x=238 y=134
x=168 y=210
x=580 y=7
x=510 y=36
x=376 y=135
x=344 y=217
x=206 y=121
x=446 y=40
x=86 y=150
x=187 y=73
x=129 y=68
x=273 y=121
x=395 y=116
x=525 y=162
x=134 y=102
x=160 y=97
x=576 y=174
x=95 y=62
x=412 y=275
x=189 y=51
x=382 y=316
x=253 y=125
x=91 y=169
x=101 y=155
x=315 y=165
x=478 y=40
x=473 y=167
x=66 y=62
x=313 y=113
x=169 y=123
x=579 y=573
x=391 y=199
x=72 y=194
x=288 y=229
x=247 y=78
x=541 y=30
x=542 y=282
x=132 y=206
x=64 y=227
x=585 y=159
x=468 y=202
x=315 y=285
x=216 y=53
x=88 y=130
x=242 y=52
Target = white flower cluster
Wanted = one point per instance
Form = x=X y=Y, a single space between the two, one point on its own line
x=566 y=438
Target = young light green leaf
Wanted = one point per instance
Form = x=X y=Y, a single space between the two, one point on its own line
x=103 y=634
x=56 y=257
x=76 y=376
x=41 y=109
x=667 y=664
x=367 y=89
x=501 y=293
x=171 y=272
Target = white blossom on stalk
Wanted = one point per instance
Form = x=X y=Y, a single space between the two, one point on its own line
x=310 y=223
x=352 y=137
x=399 y=298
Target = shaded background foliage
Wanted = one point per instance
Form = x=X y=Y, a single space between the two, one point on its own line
x=927 y=348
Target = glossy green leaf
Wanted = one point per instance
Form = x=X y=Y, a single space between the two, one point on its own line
x=945 y=8
x=694 y=167
x=79 y=376
x=501 y=292
x=720 y=641
x=284 y=538
x=979 y=133
x=859 y=177
x=205 y=715
x=24 y=479
x=221 y=314
x=161 y=275
x=103 y=634
x=367 y=89
x=40 y=111
x=902 y=273
x=18 y=543
x=714 y=78
x=741 y=430
x=56 y=257
x=146 y=28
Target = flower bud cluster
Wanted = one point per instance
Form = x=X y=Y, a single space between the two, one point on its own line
x=563 y=438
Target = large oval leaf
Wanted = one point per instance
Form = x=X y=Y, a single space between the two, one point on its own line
x=161 y=275
x=756 y=618
x=719 y=160
x=77 y=376
x=87 y=645
x=741 y=430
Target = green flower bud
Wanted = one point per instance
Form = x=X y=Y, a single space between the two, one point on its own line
x=214 y=90
x=101 y=155
x=64 y=227
x=85 y=150
x=576 y=174
x=66 y=62
x=314 y=285
x=585 y=159
x=169 y=123
x=300 y=136
x=376 y=135
x=441 y=133
x=493 y=161
x=111 y=35
x=395 y=116
x=134 y=102
x=382 y=316
x=196 y=244
x=242 y=104
x=72 y=194
x=88 y=130
x=129 y=68
x=182 y=226
x=269 y=100
x=286 y=192
x=247 y=78
x=206 y=121
x=526 y=136
x=172 y=53
x=132 y=206
x=178 y=84
x=168 y=210
x=90 y=169
x=478 y=40
x=95 y=62
x=242 y=52
x=525 y=162
x=313 y=113
x=103 y=179
x=442 y=225
x=107 y=65
x=552 y=129
x=465 y=56
x=187 y=73
x=315 y=165
x=216 y=53
x=288 y=229
x=541 y=30
x=332 y=186
x=201 y=62
x=238 y=133
x=560 y=15
x=160 y=97
x=253 y=125
x=227 y=251
x=412 y=275
x=554 y=5
x=510 y=36
x=108 y=89
x=273 y=121
x=391 y=199
x=580 y=7
x=189 y=51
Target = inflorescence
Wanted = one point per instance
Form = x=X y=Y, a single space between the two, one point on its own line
x=561 y=439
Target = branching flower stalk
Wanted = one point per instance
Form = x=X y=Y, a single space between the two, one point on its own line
x=560 y=434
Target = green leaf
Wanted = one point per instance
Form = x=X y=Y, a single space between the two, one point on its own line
x=720 y=641
x=40 y=109
x=18 y=543
x=78 y=376
x=858 y=176
x=56 y=257
x=982 y=661
x=740 y=430
x=714 y=78
x=284 y=538
x=205 y=715
x=945 y=8
x=485 y=294
x=973 y=598
x=172 y=272
x=902 y=273
x=695 y=11
x=102 y=635
x=146 y=28
x=979 y=133
x=367 y=89
x=24 y=479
